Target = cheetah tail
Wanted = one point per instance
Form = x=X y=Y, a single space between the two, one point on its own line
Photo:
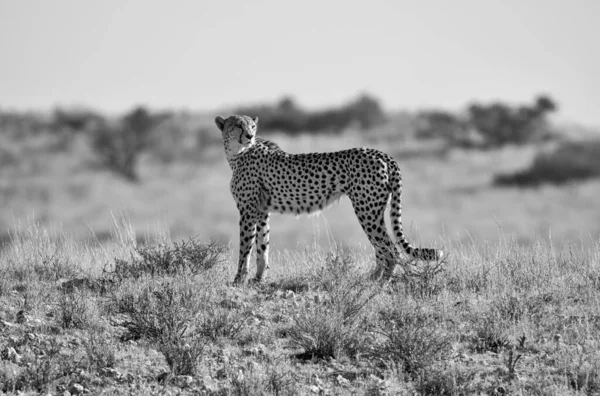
x=427 y=254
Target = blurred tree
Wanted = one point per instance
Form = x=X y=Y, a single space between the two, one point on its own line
x=77 y=119
x=367 y=111
x=120 y=143
x=500 y=124
x=545 y=104
x=285 y=115
x=440 y=124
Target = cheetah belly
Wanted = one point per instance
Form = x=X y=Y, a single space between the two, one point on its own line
x=304 y=183
x=305 y=200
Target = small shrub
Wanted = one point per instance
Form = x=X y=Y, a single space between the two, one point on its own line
x=166 y=313
x=586 y=380
x=180 y=258
x=515 y=308
x=40 y=369
x=46 y=267
x=344 y=285
x=183 y=353
x=275 y=379
x=571 y=161
x=490 y=335
x=55 y=266
x=580 y=369
x=100 y=351
x=159 y=310
x=336 y=324
x=322 y=333
x=216 y=322
x=413 y=339
x=436 y=382
x=424 y=282
x=74 y=311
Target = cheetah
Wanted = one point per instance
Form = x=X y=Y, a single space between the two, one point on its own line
x=267 y=179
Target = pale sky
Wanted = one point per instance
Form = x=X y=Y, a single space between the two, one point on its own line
x=203 y=55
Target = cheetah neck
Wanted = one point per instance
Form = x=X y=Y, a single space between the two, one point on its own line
x=233 y=151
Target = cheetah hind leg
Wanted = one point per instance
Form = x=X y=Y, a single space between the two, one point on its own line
x=386 y=251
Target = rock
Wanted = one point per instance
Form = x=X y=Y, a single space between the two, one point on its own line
x=94 y=285
x=162 y=377
x=21 y=317
x=221 y=373
x=12 y=355
x=4 y=323
x=183 y=381
x=76 y=389
x=315 y=389
x=110 y=372
x=255 y=351
x=342 y=381
x=318 y=381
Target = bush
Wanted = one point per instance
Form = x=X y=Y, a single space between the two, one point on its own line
x=216 y=322
x=119 y=144
x=182 y=353
x=439 y=124
x=185 y=257
x=488 y=125
x=100 y=351
x=500 y=124
x=276 y=379
x=75 y=120
x=414 y=339
x=571 y=161
x=43 y=364
x=165 y=314
x=75 y=311
x=365 y=112
x=490 y=334
x=336 y=323
x=158 y=311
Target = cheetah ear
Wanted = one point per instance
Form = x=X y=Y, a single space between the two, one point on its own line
x=220 y=121
x=255 y=119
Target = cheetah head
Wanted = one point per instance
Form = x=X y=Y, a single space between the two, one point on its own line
x=239 y=133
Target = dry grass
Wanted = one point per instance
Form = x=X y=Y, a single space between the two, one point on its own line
x=514 y=311
x=450 y=196
x=500 y=319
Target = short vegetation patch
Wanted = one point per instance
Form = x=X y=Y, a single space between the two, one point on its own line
x=179 y=258
x=513 y=321
x=569 y=162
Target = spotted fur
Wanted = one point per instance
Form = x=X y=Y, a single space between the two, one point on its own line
x=267 y=179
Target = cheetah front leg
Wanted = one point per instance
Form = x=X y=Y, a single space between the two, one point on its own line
x=248 y=219
x=262 y=246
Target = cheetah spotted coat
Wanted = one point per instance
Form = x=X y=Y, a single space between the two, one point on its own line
x=266 y=179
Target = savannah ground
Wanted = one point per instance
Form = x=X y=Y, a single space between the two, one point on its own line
x=103 y=292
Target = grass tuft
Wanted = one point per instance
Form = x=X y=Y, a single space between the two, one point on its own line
x=179 y=258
